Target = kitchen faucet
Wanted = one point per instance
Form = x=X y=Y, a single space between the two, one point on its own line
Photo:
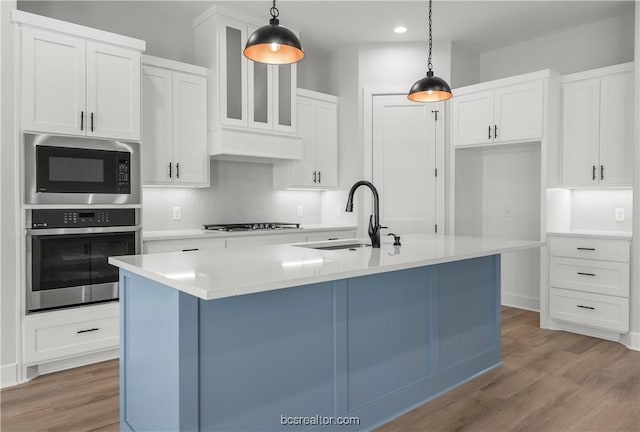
x=374 y=219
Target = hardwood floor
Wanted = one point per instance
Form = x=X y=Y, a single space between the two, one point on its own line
x=550 y=381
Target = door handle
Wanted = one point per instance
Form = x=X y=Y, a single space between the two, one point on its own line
x=495 y=131
x=587 y=274
x=315 y=177
x=586 y=307
x=169 y=169
x=177 y=169
x=593 y=175
x=319 y=177
x=91 y=122
x=88 y=330
x=489 y=131
x=81 y=120
x=601 y=172
x=586 y=249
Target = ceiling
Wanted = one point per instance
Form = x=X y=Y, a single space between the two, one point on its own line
x=478 y=25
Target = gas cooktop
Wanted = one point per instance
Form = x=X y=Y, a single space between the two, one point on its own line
x=251 y=226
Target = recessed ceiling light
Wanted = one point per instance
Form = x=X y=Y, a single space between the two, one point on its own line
x=400 y=29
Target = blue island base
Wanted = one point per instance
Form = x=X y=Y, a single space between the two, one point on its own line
x=360 y=351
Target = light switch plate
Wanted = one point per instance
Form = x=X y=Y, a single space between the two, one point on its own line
x=619 y=215
x=177 y=213
x=300 y=211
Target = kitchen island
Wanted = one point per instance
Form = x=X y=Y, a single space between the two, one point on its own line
x=292 y=338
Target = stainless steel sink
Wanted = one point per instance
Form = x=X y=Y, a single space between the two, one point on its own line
x=325 y=246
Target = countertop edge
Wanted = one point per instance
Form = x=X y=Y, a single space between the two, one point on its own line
x=611 y=235
x=201 y=233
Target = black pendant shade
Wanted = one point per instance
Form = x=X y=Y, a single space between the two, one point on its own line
x=274 y=44
x=430 y=89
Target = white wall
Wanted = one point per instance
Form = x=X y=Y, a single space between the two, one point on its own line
x=9 y=230
x=594 y=209
x=167 y=36
x=465 y=66
x=603 y=43
x=239 y=192
x=635 y=263
x=313 y=70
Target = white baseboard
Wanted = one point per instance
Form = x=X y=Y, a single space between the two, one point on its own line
x=8 y=375
x=631 y=340
x=521 y=302
x=74 y=362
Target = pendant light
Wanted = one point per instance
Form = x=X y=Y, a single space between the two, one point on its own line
x=430 y=88
x=274 y=44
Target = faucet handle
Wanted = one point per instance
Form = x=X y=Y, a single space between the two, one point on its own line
x=396 y=239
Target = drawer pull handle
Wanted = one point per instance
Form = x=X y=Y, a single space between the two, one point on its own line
x=88 y=330
x=586 y=249
x=586 y=307
x=189 y=250
x=587 y=274
x=334 y=238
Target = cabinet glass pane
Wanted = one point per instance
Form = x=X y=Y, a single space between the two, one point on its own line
x=260 y=99
x=234 y=73
x=284 y=95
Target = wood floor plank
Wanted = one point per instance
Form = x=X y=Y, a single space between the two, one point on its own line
x=550 y=382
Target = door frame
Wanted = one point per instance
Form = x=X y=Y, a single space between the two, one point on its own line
x=368 y=94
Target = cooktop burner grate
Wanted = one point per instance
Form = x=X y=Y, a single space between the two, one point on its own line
x=251 y=226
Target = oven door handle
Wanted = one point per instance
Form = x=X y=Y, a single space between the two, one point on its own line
x=86 y=230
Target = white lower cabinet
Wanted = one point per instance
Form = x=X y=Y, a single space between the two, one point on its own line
x=56 y=335
x=589 y=282
x=183 y=245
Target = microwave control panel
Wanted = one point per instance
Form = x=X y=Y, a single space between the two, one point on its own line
x=124 y=175
x=77 y=218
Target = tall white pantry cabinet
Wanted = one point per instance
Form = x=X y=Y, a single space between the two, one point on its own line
x=78 y=84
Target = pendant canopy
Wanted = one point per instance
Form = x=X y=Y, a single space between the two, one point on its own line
x=430 y=88
x=273 y=43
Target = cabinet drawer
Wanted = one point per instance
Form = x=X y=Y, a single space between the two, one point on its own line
x=600 y=277
x=54 y=335
x=271 y=239
x=160 y=246
x=330 y=235
x=606 y=312
x=590 y=248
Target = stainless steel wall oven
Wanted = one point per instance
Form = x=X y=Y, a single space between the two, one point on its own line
x=67 y=252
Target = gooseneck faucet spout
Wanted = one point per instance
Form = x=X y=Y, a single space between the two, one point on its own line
x=374 y=219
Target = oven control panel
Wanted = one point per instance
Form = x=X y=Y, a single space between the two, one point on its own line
x=76 y=218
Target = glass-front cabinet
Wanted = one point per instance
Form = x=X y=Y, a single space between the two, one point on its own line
x=254 y=95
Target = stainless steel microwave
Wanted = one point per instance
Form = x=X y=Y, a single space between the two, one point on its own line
x=70 y=170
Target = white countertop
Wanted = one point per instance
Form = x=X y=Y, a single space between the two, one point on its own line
x=202 y=233
x=214 y=274
x=594 y=234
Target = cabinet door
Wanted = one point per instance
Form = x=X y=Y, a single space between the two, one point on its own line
x=260 y=95
x=232 y=35
x=190 y=129
x=113 y=92
x=157 y=121
x=304 y=172
x=473 y=119
x=326 y=115
x=285 y=84
x=518 y=112
x=580 y=132
x=53 y=83
x=616 y=129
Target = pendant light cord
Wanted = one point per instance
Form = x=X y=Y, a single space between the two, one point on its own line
x=274 y=11
x=429 y=65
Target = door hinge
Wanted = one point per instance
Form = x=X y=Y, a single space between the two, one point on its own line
x=436 y=227
x=435 y=113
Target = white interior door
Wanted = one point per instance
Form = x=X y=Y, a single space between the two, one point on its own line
x=408 y=146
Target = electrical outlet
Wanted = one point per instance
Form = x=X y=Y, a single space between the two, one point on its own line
x=619 y=215
x=300 y=211
x=177 y=213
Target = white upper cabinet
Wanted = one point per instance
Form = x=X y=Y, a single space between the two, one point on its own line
x=597 y=128
x=174 y=111
x=317 y=124
x=113 y=91
x=74 y=85
x=53 y=82
x=251 y=105
x=505 y=113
